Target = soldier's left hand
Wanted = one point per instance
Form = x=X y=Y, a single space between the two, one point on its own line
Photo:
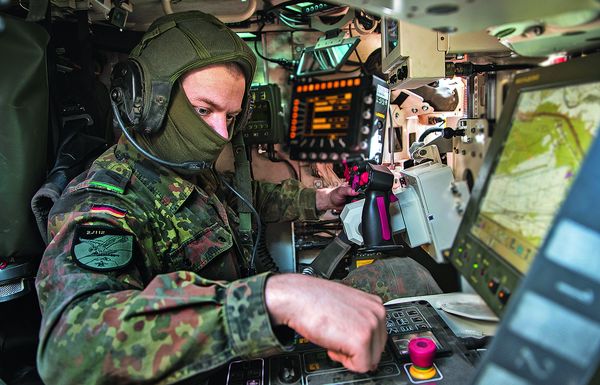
x=334 y=198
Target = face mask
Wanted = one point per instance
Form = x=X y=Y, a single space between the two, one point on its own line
x=185 y=136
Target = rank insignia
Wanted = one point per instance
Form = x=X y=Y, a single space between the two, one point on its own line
x=102 y=248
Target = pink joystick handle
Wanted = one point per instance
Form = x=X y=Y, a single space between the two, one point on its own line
x=421 y=352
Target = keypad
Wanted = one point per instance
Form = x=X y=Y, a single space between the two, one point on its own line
x=408 y=320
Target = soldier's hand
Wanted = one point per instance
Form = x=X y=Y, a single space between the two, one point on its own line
x=347 y=322
x=334 y=198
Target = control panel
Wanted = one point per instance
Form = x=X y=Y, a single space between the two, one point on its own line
x=438 y=354
x=265 y=125
x=338 y=119
x=493 y=280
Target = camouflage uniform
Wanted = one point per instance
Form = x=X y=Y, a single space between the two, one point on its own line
x=393 y=277
x=167 y=315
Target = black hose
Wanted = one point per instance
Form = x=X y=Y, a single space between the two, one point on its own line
x=429 y=131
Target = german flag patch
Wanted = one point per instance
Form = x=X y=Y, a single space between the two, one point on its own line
x=110 y=210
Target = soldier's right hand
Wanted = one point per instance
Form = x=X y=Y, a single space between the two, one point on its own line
x=347 y=322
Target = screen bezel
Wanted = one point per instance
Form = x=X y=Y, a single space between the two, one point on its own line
x=574 y=72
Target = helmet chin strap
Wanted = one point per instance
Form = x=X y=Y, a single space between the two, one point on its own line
x=189 y=165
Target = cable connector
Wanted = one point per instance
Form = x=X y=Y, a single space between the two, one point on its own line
x=449 y=133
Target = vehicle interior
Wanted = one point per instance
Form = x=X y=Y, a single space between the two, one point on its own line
x=468 y=127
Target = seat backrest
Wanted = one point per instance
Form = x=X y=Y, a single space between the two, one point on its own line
x=23 y=147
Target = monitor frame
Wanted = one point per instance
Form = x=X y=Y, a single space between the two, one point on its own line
x=494 y=274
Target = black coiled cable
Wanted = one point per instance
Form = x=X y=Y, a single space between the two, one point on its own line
x=265 y=261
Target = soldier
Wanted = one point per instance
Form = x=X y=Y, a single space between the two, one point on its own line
x=141 y=281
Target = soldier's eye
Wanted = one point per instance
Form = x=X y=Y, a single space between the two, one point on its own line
x=202 y=111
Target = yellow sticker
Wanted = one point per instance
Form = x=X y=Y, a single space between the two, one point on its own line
x=363 y=262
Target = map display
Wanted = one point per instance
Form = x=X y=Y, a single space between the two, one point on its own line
x=551 y=132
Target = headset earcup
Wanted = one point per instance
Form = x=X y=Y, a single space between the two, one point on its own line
x=127 y=91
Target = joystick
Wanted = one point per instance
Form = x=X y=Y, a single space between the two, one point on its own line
x=422 y=352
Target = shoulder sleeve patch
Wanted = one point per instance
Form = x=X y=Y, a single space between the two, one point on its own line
x=110 y=180
x=101 y=248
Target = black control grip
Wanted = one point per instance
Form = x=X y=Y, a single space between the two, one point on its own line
x=376 y=228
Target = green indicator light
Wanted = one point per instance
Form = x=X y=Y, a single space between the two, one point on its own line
x=460 y=249
x=246 y=35
x=475 y=266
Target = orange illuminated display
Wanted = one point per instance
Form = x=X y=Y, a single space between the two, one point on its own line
x=296 y=102
x=336 y=84
x=329 y=85
x=292 y=135
x=304 y=88
x=357 y=82
x=299 y=89
x=317 y=87
x=311 y=87
x=343 y=83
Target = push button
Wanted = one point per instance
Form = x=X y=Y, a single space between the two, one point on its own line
x=503 y=295
x=493 y=285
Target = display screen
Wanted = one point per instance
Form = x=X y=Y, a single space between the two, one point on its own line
x=391 y=34
x=328 y=114
x=550 y=133
x=324 y=60
x=323 y=110
x=260 y=113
